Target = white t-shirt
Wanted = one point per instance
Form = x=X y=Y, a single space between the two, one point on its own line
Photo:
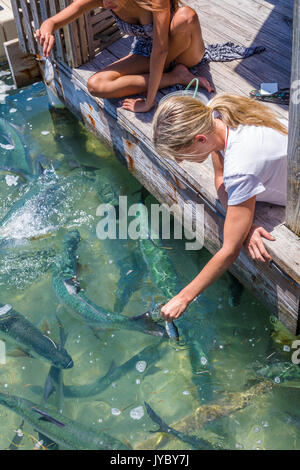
x=255 y=164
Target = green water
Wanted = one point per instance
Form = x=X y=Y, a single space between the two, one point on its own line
x=174 y=383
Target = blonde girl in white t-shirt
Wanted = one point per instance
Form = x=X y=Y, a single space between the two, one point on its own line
x=249 y=150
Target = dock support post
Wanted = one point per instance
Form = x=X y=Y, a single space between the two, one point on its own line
x=293 y=195
x=23 y=66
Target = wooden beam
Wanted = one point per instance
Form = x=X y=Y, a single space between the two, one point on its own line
x=23 y=66
x=293 y=196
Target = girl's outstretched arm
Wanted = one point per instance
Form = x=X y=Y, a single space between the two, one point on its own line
x=45 y=35
x=237 y=225
x=161 y=29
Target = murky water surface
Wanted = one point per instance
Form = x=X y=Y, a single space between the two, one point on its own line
x=238 y=411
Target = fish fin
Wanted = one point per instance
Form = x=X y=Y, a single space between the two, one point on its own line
x=62 y=334
x=49 y=388
x=45 y=326
x=163 y=427
x=111 y=368
x=46 y=417
x=18 y=353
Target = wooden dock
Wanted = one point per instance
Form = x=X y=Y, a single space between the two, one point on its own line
x=249 y=22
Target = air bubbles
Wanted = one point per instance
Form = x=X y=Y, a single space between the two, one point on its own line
x=137 y=413
x=141 y=366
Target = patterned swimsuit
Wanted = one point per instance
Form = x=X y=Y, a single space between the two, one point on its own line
x=143 y=40
x=143 y=36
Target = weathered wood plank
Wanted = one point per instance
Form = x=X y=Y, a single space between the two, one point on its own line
x=28 y=27
x=19 y=25
x=293 y=204
x=58 y=43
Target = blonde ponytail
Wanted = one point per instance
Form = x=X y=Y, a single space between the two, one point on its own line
x=179 y=119
x=238 y=110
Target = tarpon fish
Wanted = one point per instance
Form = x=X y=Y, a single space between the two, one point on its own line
x=65 y=432
x=164 y=276
x=163 y=427
x=68 y=290
x=100 y=385
x=15 y=329
x=14 y=157
x=284 y=374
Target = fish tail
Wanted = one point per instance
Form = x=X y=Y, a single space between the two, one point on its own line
x=163 y=427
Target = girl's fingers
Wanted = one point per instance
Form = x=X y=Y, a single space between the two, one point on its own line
x=257 y=254
x=263 y=250
x=50 y=45
x=263 y=232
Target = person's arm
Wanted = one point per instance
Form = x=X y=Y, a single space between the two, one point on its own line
x=161 y=27
x=237 y=225
x=218 y=163
x=45 y=35
x=254 y=243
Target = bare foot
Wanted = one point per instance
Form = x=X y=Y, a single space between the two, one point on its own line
x=183 y=76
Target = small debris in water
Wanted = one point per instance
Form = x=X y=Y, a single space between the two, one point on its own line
x=13 y=110
x=203 y=361
x=186 y=392
x=239 y=446
x=277 y=380
x=138 y=381
x=29 y=99
x=141 y=366
x=286 y=348
x=137 y=413
x=115 y=411
x=19 y=432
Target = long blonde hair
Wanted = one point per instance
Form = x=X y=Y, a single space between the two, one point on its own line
x=155 y=5
x=179 y=119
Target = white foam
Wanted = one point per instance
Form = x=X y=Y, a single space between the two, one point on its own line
x=4 y=73
x=7 y=146
x=11 y=180
x=6 y=308
x=137 y=413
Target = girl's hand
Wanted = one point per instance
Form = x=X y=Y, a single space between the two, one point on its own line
x=174 y=308
x=255 y=245
x=138 y=105
x=45 y=36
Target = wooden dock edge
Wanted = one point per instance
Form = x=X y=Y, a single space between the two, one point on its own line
x=274 y=285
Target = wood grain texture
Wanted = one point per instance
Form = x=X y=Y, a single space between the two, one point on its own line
x=293 y=198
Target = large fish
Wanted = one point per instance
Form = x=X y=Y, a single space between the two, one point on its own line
x=14 y=156
x=65 y=432
x=100 y=385
x=69 y=292
x=164 y=276
x=18 y=331
x=164 y=427
x=284 y=374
